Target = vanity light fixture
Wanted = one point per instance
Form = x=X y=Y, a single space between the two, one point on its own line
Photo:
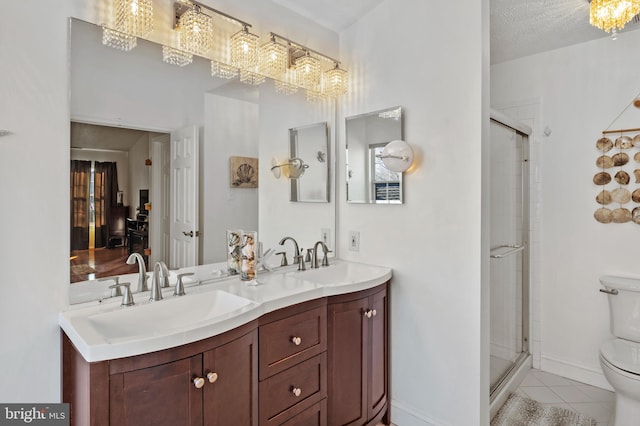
x=336 y=81
x=308 y=69
x=244 y=49
x=292 y=169
x=274 y=58
x=397 y=156
x=222 y=70
x=196 y=30
x=612 y=15
x=174 y=56
x=132 y=19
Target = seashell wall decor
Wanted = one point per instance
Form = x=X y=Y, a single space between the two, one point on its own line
x=243 y=172
x=618 y=177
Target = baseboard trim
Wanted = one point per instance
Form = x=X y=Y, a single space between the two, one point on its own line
x=407 y=416
x=573 y=371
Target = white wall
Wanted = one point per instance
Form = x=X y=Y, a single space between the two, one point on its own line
x=279 y=217
x=138 y=172
x=581 y=89
x=407 y=53
x=231 y=130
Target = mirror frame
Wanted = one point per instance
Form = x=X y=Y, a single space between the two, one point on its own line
x=368 y=144
x=294 y=152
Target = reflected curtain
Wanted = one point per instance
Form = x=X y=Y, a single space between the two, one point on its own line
x=80 y=179
x=105 y=195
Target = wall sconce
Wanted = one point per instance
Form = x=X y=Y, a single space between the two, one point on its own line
x=292 y=169
x=397 y=156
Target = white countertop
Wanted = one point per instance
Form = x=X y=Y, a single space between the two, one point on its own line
x=102 y=330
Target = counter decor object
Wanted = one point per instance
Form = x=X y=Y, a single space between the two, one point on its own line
x=248 y=256
x=234 y=253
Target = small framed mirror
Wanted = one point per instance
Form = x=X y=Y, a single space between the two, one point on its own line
x=309 y=157
x=368 y=180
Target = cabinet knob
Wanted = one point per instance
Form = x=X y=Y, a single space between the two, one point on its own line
x=296 y=391
x=213 y=377
x=374 y=312
x=367 y=313
x=296 y=340
x=198 y=382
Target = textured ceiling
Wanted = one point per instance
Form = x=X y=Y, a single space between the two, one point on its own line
x=526 y=27
x=518 y=27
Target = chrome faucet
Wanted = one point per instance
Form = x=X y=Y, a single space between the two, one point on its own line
x=297 y=258
x=159 y=270
x=142 y=271
x=325 y=250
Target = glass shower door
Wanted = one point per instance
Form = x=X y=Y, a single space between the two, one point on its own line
x=509 y=251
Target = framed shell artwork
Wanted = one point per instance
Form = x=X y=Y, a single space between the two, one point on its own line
x=243 y=172
x=618 y=178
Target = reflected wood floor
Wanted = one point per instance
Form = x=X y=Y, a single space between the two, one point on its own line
x=99 y=263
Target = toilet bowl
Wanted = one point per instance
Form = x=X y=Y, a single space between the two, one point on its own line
x=620 y=362
x=620 y=357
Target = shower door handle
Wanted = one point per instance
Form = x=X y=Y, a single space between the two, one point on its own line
x=514 y=249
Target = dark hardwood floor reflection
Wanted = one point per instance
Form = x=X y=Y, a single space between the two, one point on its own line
x=99 y=263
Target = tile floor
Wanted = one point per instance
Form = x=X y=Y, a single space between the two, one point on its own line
x=550 y=389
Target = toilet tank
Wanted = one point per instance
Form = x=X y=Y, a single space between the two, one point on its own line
x=624 y=308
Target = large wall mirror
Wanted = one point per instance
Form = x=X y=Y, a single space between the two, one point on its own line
x=310 y=146
x=125 y=109
x=368 y=180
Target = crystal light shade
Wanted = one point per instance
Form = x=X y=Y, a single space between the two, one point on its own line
x=308 y=71
x=118 y=40
x=196 y=30
x=612 y=14
x=244 y=49
x=274 y=58
x=336 y=81
x=174 y=56
x=287 y=83
x=250 y=77
x=218 y=69
x=134 y=17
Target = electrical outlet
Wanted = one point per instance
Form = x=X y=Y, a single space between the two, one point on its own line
x=354 y=241
x=325 y=237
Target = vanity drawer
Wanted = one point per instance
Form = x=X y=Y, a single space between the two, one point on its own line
x=316 y=415
x=287 y=341
x=287 y=394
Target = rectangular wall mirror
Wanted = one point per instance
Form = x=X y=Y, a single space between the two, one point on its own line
x=310 y=145
x=368 y=180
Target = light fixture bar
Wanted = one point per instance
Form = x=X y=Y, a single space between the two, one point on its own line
x=304 y=48
x=181 y=7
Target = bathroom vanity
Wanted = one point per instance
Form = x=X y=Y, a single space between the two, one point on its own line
x=311 y=348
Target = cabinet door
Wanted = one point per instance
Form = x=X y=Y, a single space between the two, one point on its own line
x=231 y=396
x=159 y=395
x=347 y=362
x=378 y=362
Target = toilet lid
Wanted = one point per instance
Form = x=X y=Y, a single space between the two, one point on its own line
x=622 y=354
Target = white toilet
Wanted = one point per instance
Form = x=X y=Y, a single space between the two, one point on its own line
x=620 y=357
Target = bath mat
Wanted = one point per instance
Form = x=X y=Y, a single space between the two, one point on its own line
x=519 y=410
x=82 y=269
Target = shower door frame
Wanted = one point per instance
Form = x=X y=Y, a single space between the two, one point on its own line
x=523 y=134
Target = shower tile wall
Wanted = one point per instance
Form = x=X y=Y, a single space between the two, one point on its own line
x=528 y=112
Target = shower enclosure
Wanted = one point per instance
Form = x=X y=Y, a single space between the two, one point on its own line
x=509 y=243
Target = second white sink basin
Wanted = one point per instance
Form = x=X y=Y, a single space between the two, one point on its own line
x=342 y=273
x=165 y=315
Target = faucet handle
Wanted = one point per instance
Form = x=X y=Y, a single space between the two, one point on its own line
x=300 y=260
x=127 y=298
x=307 y=258
x=179 y=290
x=115 y=291
x=283 y=261
x=325 y=259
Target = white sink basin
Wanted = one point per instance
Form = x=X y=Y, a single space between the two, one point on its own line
x=165 y=315
x=343 y=273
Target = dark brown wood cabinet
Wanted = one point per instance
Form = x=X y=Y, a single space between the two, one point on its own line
x=293 y=365
x=358 y=358
x=213 y=382
x=317 y=363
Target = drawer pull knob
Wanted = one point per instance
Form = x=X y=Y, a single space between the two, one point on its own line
x=296 y=340
x=213 y=377
x=198 y=382
x=296 y=391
